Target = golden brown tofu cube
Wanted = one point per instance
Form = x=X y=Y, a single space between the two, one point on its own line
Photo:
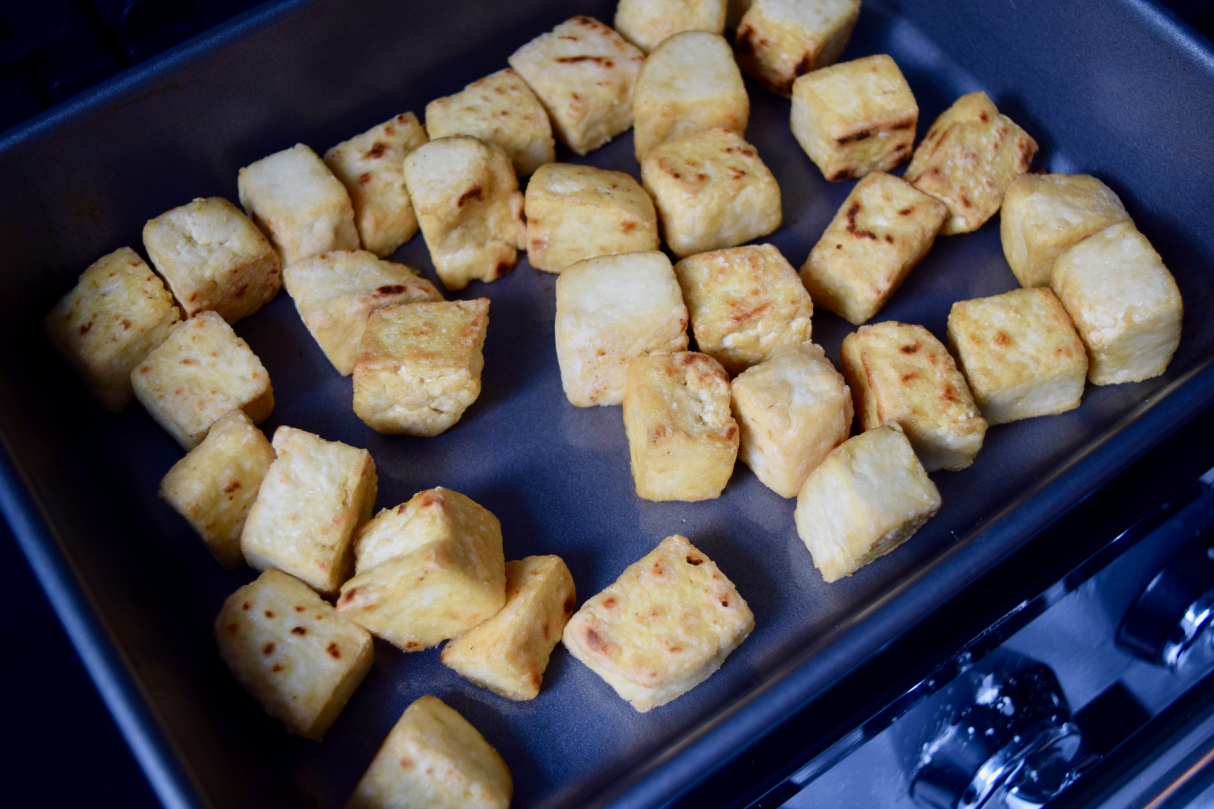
x=689 y=83
x=579 y=212
x=968 y=158
x=711 y=190
x=866 y=498
x=296 y=201
x=371 y=167
x=663 y=627
x=434 y=758
x=883 y=229
x=779 y=40
x=1124 y=303
x=508 y=653
x=791 y=409
x=855 y=118
x=336 y=292
x=648 y=23
x=313 y=498
x=501 y=109
x=1045 y=214
x=609 y=310
x=682 y=439
x=583 y=73
x=292 y=652
x=469 y=208
x=103 y=328
x=214 y=485
x=900 y=373
x=425 y=571
x=200 y=372
x=745 y=303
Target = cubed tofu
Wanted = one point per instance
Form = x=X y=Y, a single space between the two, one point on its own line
x=1124 y=303
x=967 y=160
x=745 y=303
x=292 y=652
x=118 y=311
x=682 y=438
x=419 y=366
x=689 y=83
x=500 y=109
x=468 y=207
x=711 y=191
x=371 y=167
x=579 y=212
x=434 y=758
x=855 y=118
x=214 y=485
x=1020 y=354
x=213 y=258
x=336 y=292
x=609 y=310
x=648 y=23
x=880 y=233
x=663 y=627
x=200 y=372
x=1045 y=214
x=312 y=500
x=296 y=201
x=791 y=409
x=867 y=497
x=428 y=570
x=900 y=373
x=508 y=653
x=583 y=73
x=779 y=40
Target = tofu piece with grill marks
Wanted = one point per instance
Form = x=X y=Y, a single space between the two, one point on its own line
x=649 y=23
x=779 y=40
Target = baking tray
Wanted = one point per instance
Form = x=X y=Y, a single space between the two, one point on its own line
x=1117 y=89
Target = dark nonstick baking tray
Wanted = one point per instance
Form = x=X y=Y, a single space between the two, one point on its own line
x=1120 y=90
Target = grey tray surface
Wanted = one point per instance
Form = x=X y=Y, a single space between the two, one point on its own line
x=138 y=593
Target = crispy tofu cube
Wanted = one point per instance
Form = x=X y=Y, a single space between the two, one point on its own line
x=779 y=40
x=745 y=303
x=583 y=73
x=900 y=373
x=883 y=229
x=118 y=311
x=867 y=497
x=434 y=758
x=313 y=498
x=215 y=484
x=1045 y=214
x=967 y=160
x=689 y=83
x=579 y=212
x=609 y=310
x=508 y=653
x=663 y=627
x=682 y=438
x=648 y=23
x=213 y=258
x=371 y=168
x=855 y=118
x=501 y=109
x=1020 y=354
x=425 y=571
x=419 y=366
x=1124 y=303
x=292 y=652
x=792 y=409
x=336 y=292
x=295 y=199
x=200 y=372
x=469 y=208
x=711 y=190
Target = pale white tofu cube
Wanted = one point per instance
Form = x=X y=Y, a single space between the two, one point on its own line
x=648 y=23
x=779 y=40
